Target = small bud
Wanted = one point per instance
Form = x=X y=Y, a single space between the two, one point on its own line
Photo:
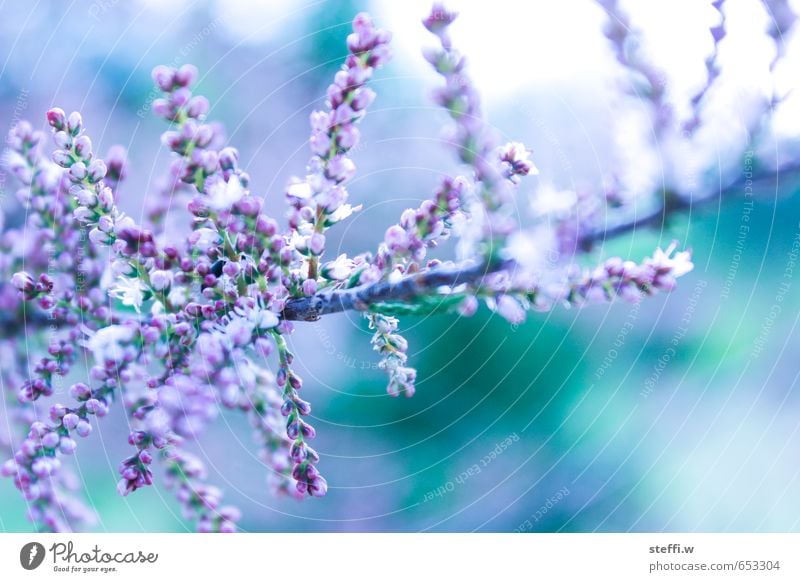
x=318 y=487
x=62 y=140
x=93 y=405
x=197 y=106
x=340 y=168
x=204 y=135
x=266 y=225
x=105 y=197
x=62 y=158
x=68 y=446
x=77 y=171
x=469 y=306
x=302 y=406
x=57 y=118
x=228 y=158
x=86 y=198
x=161 y=280
x=50 y=440
x=105 y=223
x=70 y=420
x=83 y=147
x=316 y=243
x=348 y=137
x=83 y=428
x=22 y=281
x=99 y=237
x=180 y=97
x=74 y=123
x=8 y=468
x=298 y=452
x=162 y=108
x=83 y=214
x=308 y=431
x=186 y=75
x=97 y=171
x=510 y=309
x=309 y=287
x=164 y=77
x=396 y=239
x=362 y=99
x=80 y=391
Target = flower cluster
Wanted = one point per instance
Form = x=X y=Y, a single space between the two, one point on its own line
x=36 y=464
x=405 y=244
x=320 y=200
x=199 y=501
x=392 y=347
x=176 y=326
x=491 y=204
x=192 y=138
x=299 y=431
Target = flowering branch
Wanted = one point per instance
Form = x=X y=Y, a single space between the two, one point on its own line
x=214 y=307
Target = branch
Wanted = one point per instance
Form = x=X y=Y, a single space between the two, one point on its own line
x=658 y=215
x=405 y=289
x=422 y=283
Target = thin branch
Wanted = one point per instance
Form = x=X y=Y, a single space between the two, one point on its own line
x=405 y=289
x=422 y=283
x=658 y=215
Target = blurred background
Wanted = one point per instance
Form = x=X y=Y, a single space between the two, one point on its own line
x=677 y=414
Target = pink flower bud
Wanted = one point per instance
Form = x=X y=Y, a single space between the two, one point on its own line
x=97 y=171
x=50 y=440
x=77 y=171
x=186 y=75
x=162 y=108
x=62 y=158
x=22 y=281
x=197 y=106
x=57 y=118
x=70 y=420
x=164 y=77
x=396 y=238
x=83 y=428
x=74 y=123
x=316 y=243
x=309 y=287
x=83 y=147
x=63 y=140
x=67 y=446
x=510 y=309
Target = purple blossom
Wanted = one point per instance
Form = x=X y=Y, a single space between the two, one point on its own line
x=392 y=347
x=510 y=309
x=319 y=201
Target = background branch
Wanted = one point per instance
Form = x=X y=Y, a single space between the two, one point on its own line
x=672 y=203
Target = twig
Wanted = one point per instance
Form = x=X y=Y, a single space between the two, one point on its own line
x=658 y=215
x=405 y=289
x=419 y=284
